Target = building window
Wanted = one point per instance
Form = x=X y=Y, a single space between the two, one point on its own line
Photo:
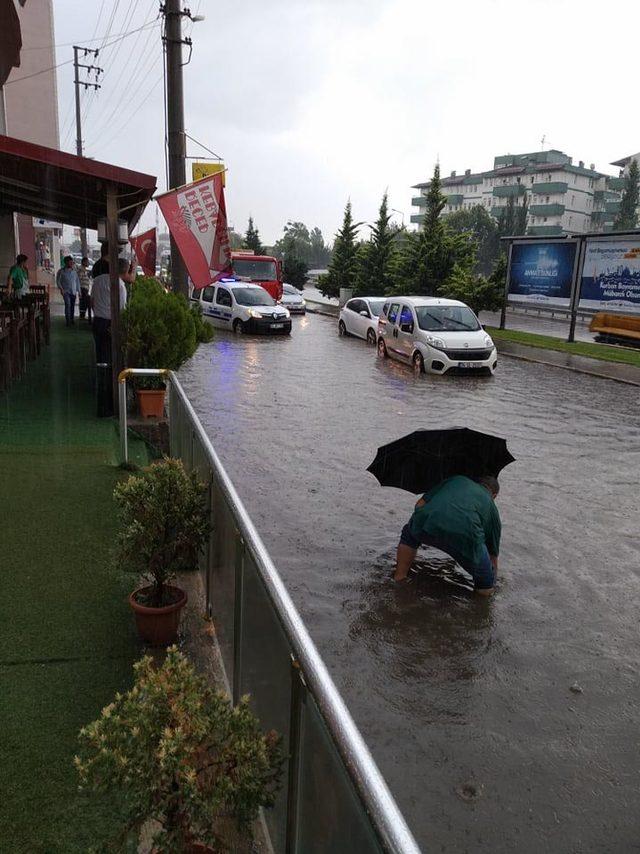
x=547 y=199
x=573 y=200
x=532 y=179
x=544 y=219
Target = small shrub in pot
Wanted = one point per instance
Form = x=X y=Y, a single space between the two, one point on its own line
x=181 y=755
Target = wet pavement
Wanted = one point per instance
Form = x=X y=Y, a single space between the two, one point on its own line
x=501 y=725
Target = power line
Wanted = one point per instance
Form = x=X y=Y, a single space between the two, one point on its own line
x=69 y=61
x=136 y=107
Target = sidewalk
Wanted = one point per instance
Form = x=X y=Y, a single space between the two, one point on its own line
x=68 y=640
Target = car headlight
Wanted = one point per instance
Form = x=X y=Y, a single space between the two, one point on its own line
x=438 y=343
x=488 y=342
x=253 y=313
x=303 y=303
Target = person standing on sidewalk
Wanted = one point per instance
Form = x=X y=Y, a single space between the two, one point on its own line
x=69 y=286
x=101 y=303
x=85 y=289
x=18 y=278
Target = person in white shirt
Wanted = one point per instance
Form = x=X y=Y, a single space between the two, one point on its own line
x=101 y=304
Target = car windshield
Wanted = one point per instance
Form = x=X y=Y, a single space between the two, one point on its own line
x=259 y=271
x=252 y=296
x=446 y=318
x=376 y=306
x=289 y=289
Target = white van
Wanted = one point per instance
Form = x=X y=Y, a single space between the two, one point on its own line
x=242 y=307
x=434 y=335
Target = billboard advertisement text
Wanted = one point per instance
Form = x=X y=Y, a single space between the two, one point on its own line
x=611 y=275
x=542 y=272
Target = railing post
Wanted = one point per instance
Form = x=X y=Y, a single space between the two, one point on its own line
x=238 y=615
x=298 y=696
x=124 y=439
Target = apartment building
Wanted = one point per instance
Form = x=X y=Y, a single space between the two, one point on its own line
x=562 y=198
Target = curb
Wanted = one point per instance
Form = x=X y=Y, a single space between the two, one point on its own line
x=530 y=354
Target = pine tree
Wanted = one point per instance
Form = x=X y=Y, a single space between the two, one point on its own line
x=252 y=239
x=520 y=217
x=373 y=273
x=342 y=269
x=432 y=253
x=627 y=217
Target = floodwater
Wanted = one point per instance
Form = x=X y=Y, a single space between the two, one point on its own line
x=504 y=725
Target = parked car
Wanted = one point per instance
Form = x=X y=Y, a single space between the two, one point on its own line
x=242 y=307
x=359 y=317
x=293 y=300
x=434 y=335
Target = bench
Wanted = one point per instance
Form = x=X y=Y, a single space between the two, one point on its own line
x=616 y=326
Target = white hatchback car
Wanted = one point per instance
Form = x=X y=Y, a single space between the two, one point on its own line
x=435 y=335
x=359 y=317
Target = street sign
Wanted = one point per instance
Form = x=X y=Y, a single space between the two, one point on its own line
x=204 y=170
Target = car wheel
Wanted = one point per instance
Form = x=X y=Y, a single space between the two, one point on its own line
x=238 y=326
x=342 y=329
x=371 y=338
x=382 y=349
x=418 y=364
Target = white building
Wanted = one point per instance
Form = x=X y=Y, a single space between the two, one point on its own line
x=561 y=198
x=29 y=111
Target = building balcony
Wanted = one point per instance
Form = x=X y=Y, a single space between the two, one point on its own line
x=612 y=207
x=605 y=196
x=498 y=210
x=417 y=218
x=419 y=201
x=455 y=199
x=507 y=190
x=547 y=210
x=550 y=187
x=615 y=183
x=599 y=217
x=545 y=230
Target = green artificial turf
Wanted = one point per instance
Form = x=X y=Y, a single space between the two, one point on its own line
x=622 y=355
x=68 y=640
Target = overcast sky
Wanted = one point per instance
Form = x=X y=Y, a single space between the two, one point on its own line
x=310 y=102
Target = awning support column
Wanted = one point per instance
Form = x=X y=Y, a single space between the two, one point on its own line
x=116 y=337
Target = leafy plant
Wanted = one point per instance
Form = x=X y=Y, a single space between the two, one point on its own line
x=161 y=329
x=180 y=754
x=478 y=292
x=164 y=524
x=295 y=271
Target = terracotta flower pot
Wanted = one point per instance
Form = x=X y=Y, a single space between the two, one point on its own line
x=158 y=626
x=151 y=402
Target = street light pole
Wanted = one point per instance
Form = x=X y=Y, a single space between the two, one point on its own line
x=176 y=140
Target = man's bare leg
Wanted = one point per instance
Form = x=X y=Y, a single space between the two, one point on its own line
x=404 y=558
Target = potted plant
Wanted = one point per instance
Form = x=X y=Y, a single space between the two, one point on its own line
x=161 y=330
x=165 y=522
x=185 y=760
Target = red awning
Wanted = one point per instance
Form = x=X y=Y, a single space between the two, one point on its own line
x=55 y=185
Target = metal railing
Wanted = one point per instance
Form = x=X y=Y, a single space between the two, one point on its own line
x=334 y=797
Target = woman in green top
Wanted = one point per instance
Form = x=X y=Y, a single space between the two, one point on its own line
x=459 y=517
x=18 y=278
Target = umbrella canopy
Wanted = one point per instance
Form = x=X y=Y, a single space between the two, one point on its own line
x=425 y=458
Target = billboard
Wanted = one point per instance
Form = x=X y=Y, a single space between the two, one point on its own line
x=611 y=275
x=542 y=272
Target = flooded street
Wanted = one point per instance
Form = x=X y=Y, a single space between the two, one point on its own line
x=504 y=725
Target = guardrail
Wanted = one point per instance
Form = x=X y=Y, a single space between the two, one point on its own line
x=335 y=798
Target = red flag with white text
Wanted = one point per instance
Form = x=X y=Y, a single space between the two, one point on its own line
x=197 y=219
x=144 y=247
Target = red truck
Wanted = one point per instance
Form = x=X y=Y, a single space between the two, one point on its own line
x=264 y=270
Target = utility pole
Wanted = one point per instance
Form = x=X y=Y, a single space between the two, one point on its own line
x=176 y=140
x=77 y=65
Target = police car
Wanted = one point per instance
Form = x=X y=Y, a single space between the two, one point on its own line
x=242 y=308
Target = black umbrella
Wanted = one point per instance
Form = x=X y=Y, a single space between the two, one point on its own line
x=423 y=459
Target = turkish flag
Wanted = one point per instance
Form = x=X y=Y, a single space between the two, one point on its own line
x=144 y=246
x=197 y=218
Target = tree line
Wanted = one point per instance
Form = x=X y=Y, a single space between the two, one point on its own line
x=458 y=256
x=301 y=249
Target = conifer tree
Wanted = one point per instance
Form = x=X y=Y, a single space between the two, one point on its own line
x=252 y=239
x=342 y=269
x=374 y=259
x=627 y=217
